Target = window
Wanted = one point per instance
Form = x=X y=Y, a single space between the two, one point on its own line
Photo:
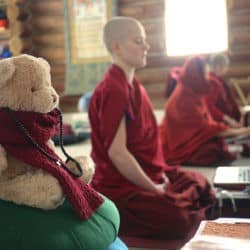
x=196 y=27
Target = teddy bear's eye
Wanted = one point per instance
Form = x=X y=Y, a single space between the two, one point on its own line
x=32 y=89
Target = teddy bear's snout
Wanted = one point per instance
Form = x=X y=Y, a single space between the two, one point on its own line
x=54 y=98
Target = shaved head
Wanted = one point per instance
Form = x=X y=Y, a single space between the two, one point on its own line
x=117 y=29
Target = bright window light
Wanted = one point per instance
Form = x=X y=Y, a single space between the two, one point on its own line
x=196 y=27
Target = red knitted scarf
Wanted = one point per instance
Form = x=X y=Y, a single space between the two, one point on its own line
x=41 y=128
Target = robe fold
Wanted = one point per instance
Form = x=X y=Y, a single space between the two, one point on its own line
x=143 y=213
x=188 y=131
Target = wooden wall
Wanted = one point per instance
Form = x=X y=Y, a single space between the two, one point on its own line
x=48 y=37
x=20 y=28
x=48 y=40
x=151 y=14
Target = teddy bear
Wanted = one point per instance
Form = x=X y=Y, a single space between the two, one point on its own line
x=25 y=88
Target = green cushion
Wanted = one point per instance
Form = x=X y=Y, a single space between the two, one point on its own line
x=26 y=228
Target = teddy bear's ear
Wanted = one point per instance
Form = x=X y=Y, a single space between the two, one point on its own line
x=44 y=62
x=7 y=69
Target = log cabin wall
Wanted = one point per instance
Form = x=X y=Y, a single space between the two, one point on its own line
x=19 y=25
x=48 y=37
x=48 y=42
x=239 y=41
x=15 y=34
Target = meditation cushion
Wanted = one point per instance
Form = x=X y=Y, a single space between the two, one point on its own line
x=27 y=228
x=118 y=244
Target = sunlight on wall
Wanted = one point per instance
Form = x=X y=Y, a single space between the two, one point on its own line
x=196 y=27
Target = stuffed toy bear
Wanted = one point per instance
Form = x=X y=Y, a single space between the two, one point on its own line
x=28 y=119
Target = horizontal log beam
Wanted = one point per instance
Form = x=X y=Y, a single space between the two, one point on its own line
x=58 y=69
x=69 y=103
x=49 y=40
x=154 y=26
x=239 y=69
x=152 y=75
x=47 y=7
x=156 y=89
x=143 y=11
x=240 y=38
x=157 y=43
x=48 y=23
x=51 y=54
x=59 y=86
x=239 y=20
x=238 y=4
x=140 y=2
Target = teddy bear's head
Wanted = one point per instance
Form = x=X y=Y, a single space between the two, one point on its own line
x=25 y=84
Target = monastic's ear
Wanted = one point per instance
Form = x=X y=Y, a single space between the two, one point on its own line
x=7 y=69
x=115 y=47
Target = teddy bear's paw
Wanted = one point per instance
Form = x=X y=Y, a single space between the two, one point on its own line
x=49 y=191
x=37 y=189
x=52 y=202
x=3 y=159
x=88 y=167
x=51 y=144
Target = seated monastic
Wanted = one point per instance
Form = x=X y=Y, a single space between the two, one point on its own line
x=190 y=134
x=221 y=99
x=154 y=200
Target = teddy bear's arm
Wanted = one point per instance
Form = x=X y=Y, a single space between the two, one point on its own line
x=36 y=189
x=88 y=168
x=51 y=144
x=3 y=159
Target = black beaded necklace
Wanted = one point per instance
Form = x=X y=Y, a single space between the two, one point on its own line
x=22 y=128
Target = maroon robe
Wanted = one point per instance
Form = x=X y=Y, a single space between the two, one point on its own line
x=221 y=99
x=143 y=213
x=188 y=130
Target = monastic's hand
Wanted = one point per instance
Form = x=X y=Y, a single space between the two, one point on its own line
x=160 y=188
x=245 y=130
x=231 y=122
x=235 y=124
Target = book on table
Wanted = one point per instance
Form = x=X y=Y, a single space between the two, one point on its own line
x=221 y=234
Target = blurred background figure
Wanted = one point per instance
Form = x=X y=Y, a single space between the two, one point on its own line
x=221 y=100
x=83 y=103
x=190 y=134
